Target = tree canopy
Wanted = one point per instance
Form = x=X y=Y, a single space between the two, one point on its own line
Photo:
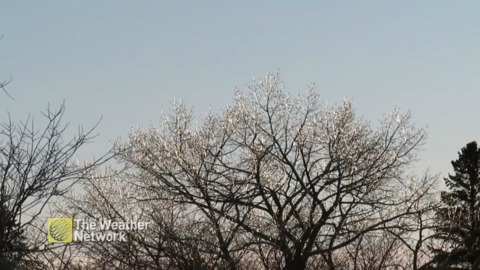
x=273 y=181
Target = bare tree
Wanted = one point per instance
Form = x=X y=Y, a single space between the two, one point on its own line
x=273 y=182
x=172 y=241
x=36 y=166
x=285 y=179
x=2 y=86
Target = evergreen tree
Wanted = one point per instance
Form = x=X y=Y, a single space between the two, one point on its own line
x=458 y=221
x=12 y=247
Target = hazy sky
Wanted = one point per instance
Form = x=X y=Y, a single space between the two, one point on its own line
x=127 y=60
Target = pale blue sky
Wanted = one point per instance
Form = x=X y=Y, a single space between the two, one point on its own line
x=126 y=60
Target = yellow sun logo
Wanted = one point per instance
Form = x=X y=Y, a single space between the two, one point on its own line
x=60 y=230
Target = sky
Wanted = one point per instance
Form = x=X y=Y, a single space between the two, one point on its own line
x=125 y=61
